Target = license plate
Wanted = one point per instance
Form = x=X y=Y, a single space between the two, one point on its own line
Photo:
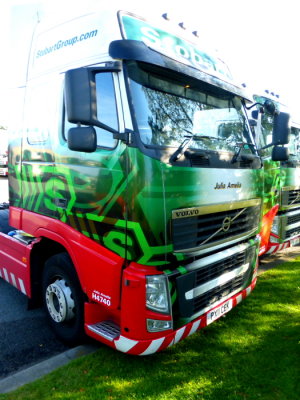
x=218 y=312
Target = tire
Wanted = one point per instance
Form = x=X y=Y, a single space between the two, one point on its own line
x=63 y=299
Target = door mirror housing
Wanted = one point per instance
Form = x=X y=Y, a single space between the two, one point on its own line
x=82 y=139
x=281 y=128
x=280 y=153
x=81 y=96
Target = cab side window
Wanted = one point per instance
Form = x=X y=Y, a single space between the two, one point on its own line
x=106 y=110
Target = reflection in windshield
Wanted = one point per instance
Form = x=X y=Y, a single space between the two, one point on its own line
x=294 y=143
x=168 y=111
x=266 y=131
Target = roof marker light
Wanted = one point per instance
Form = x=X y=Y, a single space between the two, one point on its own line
x=166 y=16
x=181 y=24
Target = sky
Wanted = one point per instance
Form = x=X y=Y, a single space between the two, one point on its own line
x=258 y=39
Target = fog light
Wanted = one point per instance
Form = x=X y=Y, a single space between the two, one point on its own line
x=157 y=325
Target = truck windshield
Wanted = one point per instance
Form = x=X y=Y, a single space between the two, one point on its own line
x=169 y=107
x=266 y=131
x=294 y=144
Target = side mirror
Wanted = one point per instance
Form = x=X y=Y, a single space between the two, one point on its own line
x=280 y=153
x=80 y=97
x=281 y=128
x=82 y=139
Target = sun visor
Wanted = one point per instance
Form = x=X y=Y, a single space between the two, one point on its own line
x=139 y=51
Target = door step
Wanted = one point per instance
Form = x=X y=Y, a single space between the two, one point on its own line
x=107 y=329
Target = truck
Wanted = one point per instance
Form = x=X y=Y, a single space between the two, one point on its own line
x=135 y=186
x=3 y=152
x=281 y=209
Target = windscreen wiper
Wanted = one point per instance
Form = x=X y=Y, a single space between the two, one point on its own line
x=239 y=148
x=179 y=152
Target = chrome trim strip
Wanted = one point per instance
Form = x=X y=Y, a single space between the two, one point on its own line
x=291 y=213
x=220 y=280
x=291 y=206
x=203 y=262
x=289 y=188
x=213 y=208
x=288 y=227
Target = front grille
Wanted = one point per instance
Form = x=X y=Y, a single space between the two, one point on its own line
x=214 y=270
x=200 y=231
x=215 y=295
x=293 y=219
x=292 y=232
x=191 y=280
x=290 y=198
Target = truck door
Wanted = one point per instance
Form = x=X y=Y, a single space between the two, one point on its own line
x=90 y=188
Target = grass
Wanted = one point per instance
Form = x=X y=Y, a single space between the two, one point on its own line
x=253 y=353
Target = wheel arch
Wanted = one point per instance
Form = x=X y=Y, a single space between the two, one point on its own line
x=40 y=253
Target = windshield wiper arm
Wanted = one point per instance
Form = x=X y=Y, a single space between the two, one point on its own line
x=239 y=148
x=178 y=153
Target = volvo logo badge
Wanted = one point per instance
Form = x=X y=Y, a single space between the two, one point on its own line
x=226 y=224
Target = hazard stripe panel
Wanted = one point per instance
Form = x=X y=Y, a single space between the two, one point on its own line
x=278 y=247
x=146 y=347
x=13 y=280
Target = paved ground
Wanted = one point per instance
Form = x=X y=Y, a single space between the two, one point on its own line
x=25 y=335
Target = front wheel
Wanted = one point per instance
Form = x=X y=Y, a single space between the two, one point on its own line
x=63 y=298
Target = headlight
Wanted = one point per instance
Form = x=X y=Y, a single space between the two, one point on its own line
x=157 y=294
x=275 y=226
